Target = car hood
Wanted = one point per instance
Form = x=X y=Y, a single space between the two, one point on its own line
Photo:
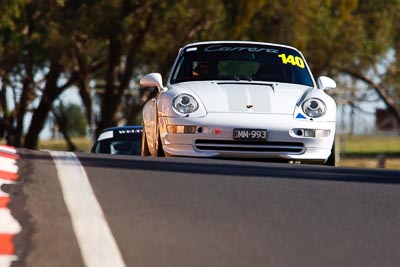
x=279 y=98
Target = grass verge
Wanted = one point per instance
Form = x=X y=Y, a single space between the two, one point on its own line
x=82 y=144
x=363 y=151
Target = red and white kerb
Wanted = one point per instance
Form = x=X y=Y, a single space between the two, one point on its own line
x=9 y=227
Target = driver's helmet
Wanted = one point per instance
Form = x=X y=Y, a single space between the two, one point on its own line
x=204 y=69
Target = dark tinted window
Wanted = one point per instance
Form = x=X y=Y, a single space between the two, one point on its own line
x=127 y=144
x=241 y=62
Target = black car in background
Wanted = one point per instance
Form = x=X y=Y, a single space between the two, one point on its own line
x=124 y=140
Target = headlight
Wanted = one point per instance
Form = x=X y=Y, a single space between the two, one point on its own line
x=314 y=107
x=185 y=103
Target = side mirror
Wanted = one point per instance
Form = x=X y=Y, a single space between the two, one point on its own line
x=152 y=80
x=325 y=83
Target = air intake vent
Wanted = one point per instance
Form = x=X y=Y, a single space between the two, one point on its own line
x=245 y=146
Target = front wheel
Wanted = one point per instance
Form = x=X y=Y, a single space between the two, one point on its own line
x=331 y=161
x=160 y=150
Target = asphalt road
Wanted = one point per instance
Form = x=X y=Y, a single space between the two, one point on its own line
x=204 y=212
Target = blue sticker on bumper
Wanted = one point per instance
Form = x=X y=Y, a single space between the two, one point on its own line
x=300 y=116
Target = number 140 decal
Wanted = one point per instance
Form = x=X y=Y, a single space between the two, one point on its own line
x=290 y=59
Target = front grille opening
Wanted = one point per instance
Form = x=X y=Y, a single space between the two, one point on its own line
x=249 y=146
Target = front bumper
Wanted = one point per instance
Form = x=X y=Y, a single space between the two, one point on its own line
x=214 y=137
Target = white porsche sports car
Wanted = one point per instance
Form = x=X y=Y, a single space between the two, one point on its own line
x=236 y=99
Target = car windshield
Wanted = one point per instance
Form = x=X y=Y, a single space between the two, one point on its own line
x=125 y=144
x=241 y=61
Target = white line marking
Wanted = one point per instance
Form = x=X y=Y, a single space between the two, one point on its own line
x=96 y=242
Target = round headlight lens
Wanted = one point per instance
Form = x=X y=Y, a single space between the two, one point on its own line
x=185 y=103
x=314 y=107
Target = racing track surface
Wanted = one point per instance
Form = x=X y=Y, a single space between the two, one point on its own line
x=204 y=212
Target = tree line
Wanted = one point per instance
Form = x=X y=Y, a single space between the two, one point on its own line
x=50 y=46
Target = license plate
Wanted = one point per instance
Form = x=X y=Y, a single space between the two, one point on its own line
x=250 y=134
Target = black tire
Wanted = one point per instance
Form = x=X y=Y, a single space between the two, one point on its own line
x=331 y=161
x=145 y=152
x=160 y=150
